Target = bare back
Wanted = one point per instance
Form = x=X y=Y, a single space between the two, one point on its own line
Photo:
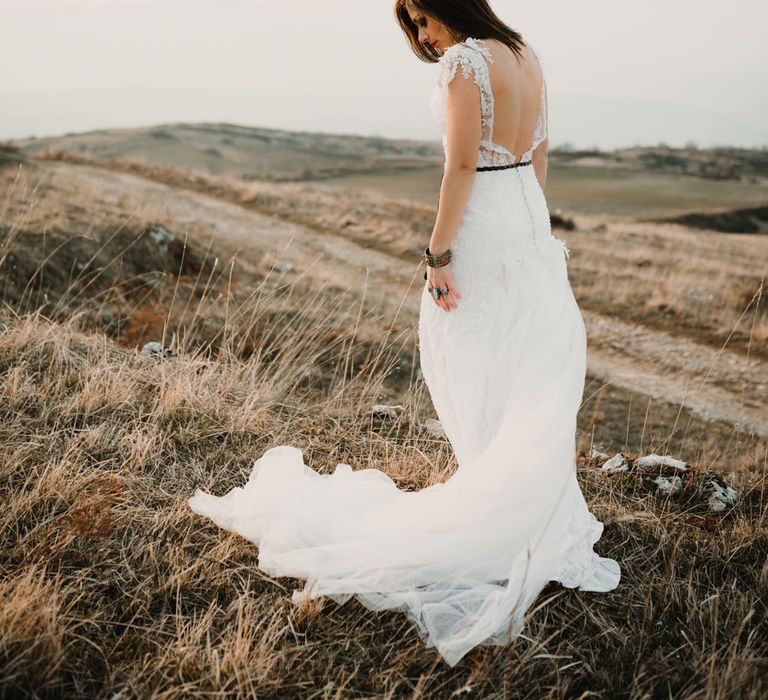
x=513 y=102
x=516 y=85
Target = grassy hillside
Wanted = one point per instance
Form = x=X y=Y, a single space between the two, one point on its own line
x=287 y=313
x=111 y=585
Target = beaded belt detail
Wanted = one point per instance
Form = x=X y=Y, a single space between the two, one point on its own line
x=502 y=167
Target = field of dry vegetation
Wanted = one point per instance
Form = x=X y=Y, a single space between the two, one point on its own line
x=285 y=311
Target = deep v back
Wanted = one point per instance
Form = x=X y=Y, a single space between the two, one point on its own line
x=473 y=57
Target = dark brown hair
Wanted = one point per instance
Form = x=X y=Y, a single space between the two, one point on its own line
x=463 y=18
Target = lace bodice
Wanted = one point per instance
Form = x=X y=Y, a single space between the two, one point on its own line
x=472 y=57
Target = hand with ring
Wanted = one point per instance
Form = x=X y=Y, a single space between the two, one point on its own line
x=441 y=287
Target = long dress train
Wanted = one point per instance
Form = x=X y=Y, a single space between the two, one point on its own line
x=464 y=559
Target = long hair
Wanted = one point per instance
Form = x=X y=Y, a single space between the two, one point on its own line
x=463 y=18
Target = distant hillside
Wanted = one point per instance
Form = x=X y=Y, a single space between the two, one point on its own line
x=750 y=165
x=252 y=153
x=246 y=152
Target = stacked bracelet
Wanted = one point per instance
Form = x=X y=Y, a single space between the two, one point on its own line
x=436 y=260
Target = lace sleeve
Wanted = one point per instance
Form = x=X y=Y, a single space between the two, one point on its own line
x=468 y=59
x=542 y=130
x=542 y=127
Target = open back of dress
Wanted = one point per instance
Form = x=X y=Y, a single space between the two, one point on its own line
x=471 y=57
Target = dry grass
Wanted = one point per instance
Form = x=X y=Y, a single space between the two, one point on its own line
x=709 y=286
x=113 y=587
x=112 y=584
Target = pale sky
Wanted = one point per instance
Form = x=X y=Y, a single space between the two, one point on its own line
x=619 y=73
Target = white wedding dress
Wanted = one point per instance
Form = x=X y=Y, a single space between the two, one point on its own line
x=466 y=558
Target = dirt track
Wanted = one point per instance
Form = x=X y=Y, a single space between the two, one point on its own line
x=714 y=384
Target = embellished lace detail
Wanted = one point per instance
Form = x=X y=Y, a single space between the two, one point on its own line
x=540 y=133
x=471 y=57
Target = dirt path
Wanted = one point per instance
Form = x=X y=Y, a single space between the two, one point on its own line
x=317 y=257
x=714 y=384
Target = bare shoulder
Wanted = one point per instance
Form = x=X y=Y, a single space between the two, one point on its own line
x=499 y=50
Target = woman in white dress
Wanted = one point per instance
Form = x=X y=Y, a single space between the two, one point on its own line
x=503 y=353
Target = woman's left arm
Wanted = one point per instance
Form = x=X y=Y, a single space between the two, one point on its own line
x=462 y=129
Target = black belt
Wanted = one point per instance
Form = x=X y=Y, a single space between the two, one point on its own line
x=502 y=167
x=483 y=168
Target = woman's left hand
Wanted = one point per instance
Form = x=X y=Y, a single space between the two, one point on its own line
x=442 y=278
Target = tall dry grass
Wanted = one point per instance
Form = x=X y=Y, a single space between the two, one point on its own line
x=113 y=587
x=112 y=584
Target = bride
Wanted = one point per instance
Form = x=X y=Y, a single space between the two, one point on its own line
x=503 y=353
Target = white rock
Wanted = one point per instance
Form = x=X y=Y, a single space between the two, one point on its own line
x=434 y=428
x=617 y=463
x=699 y=294
x=654 y=460
x=283 y=267
x=668 y=485
x=385 y=411
x=719 y=497
x=162 y=237
x=155 y=349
